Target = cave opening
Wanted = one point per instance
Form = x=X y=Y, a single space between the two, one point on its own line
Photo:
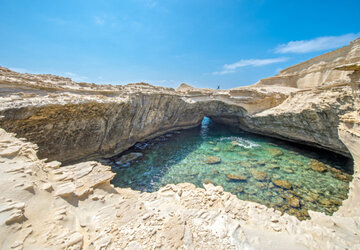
x=287 y=176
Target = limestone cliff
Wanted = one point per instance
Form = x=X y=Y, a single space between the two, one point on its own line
x=70 y=126
x=80 y=209
x=318 y=71
x=71 y=121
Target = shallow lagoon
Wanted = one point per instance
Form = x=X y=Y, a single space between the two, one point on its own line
x=289 y=177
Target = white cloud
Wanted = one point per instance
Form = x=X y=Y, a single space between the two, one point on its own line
x=99 y=20
x=231 y=68
x=316 y=44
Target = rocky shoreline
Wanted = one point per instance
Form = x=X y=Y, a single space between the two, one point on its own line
x=315 y=103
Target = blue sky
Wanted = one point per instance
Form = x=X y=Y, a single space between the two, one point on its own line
x=166 y=42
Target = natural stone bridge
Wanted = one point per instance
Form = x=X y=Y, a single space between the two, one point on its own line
x=68 y=126
x=308 y=103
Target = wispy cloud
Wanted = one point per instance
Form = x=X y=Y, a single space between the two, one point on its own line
x=99 y=20
x=76 y=77
x=231 y=68
x=150 y=3
x=57 y=21
x=316 y=44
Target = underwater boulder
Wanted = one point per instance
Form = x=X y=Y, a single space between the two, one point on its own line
x=126 y=159
x=317 y=166
x=283 y=184
x=274 y=152
x=259 y=175
x=232 y=177
x=212 y=160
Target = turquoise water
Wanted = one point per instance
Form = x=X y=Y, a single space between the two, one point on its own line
x=268 y=171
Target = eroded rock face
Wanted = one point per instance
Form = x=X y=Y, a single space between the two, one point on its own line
x=80 y=209
x=310 y=117
x=71 y=127
x=319 y=71
x=72 y=121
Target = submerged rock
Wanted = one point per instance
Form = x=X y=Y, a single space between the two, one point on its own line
x=261 y=163
x=232 y=177
x=208 y=181
x=300 y=214
x=262 y=185
x=213 y=160
x=250 y=191
x=274 y=152
x=335 y=170
x=215 y=171
x=325 y=202
x=283 y=184
x=230 y=148
x=288 y=170
x=126 y=159
x=317 y=166
x=259 y=175
x=246 y=164
x=343 y=177
x=295 y=162
x=216 y=149
x=274 y=166
x=294 y=202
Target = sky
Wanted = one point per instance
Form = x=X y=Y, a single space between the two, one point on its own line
x=204 y=43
